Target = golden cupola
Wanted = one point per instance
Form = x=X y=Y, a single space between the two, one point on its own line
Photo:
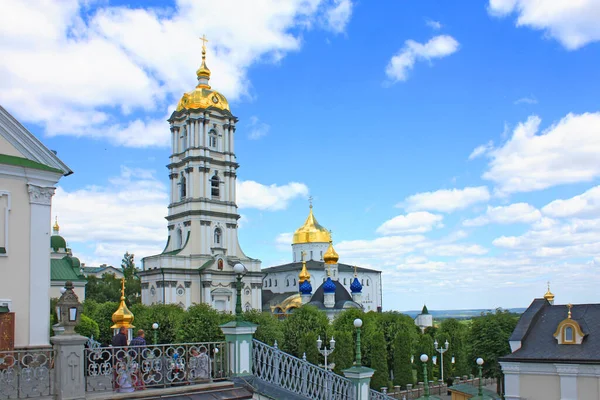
x=304 y=275
x=311 y=231
x=549 y=295
x=330 y=256
x=203 y=97
x=122 y=318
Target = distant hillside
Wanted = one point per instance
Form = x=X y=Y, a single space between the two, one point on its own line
x=459 y=314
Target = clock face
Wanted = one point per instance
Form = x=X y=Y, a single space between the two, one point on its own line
x=215 y=99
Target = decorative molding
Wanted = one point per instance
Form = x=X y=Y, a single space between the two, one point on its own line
x=256 y=285
x=187 y=223
x=189 y=169
x=231 y=226
x=203 y=169
x=145 y=285
x=206 y=284
x=40 y=195
x=171 y=227
x=205 y=223
x=187 y=284
x=173 y=175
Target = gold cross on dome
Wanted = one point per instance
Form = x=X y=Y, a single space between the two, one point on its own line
x=303 y=253
x=204 y=41
x=123 y=286
x=310 y=199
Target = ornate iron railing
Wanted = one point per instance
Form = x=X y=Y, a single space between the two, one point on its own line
x=26 y=373
x=375 y=395
x=126 y=369
x=299 y=376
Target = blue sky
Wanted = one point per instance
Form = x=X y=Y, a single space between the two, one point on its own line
x=452 y=145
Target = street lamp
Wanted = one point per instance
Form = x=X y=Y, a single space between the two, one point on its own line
x=424 y=359
x=69 y=309
x=358 y=324
x=239 y=271
x=441 y=350
x=480 y=366
x=155 y=328
x=326 y=352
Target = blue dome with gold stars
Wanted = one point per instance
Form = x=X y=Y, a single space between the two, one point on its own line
x=329 y=286
x=305 y=287
x=355 y=286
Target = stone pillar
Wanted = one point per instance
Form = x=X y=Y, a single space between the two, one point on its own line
x=69 y=374
x=238 y=335
x=361 y=377
x=40 y=199
x=568 y=381
x=329 y=300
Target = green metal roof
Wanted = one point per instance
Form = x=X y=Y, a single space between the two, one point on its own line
x=26 y=163
x=424 y=311
x=63 y=270
x=57 y=242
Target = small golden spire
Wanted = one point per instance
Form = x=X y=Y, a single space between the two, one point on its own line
x=569 y=306
x=56 y=227
x=549 y=295
x=122 y=317
x=310 y=199
x=304 y=275
x=355 y=273
x=331 y=256
x=203 y=73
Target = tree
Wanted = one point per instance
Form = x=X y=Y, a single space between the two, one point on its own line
x=456 y=333
x=489 y=340
x=201 y=324
x=88 y=327
x=133 y=285
x=101 y=290
x=103 y=316
x=424 y=346
x=167 y=316
x=343 y=355
x=301 y=321
x=269 y=328
x=379 y=361
x=308 y=347
x=403 y=372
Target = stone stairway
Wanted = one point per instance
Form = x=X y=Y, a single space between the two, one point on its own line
x=225 y=390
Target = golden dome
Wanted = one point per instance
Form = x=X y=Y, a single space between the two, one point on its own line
x=304 y=274
x=202 y=96
x=549 y=295
x=293 y=301
x=311 y=231
x=330 y=256
x=55 y=227
x=122 y=317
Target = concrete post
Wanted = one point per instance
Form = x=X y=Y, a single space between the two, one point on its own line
x=69 y=373
x=361 y=377
x=238 y=335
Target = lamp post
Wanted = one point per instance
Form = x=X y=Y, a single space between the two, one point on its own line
x=424 y=359
x=358 y=324
x=441 y=350
x=155 y=328
x=69 y=309
x=239 y=271
x=480 y=366
x=326 y=352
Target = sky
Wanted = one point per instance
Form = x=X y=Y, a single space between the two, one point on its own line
x=451 y=145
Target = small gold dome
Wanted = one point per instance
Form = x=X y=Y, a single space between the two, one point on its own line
x=304 y=274
x=122 y=317
x=330 y=256
x=549 y=295
x=311 y=231
x=293 y=301
x=55 y=227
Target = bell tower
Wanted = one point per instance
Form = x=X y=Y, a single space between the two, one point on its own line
x=202 y=245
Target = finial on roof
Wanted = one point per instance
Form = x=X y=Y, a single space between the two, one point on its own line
x=355 y=273
x=203 y=73
x=56 y=227
x=310 y=200
x=549 y=295
x=569 y=306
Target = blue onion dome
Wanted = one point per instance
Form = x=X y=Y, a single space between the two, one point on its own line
x=329 y=286
x=355 y=286
x=305 y=287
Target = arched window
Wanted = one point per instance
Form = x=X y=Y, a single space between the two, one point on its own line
x=182 y=186
x=321 y=255
x=569 y=334
x=311 y=254
x=214 y=185
x=294 y=281
x=362 y=282
x=345 y=284
x=287 y=282
x=218 y=236
x=275 y=282
x=212 y=139
x=184 y=138
x=368 y=282
x=270 y=284
x=178 y=239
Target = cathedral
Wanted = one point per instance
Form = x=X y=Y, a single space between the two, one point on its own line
x=196 y=265
x=337 y=286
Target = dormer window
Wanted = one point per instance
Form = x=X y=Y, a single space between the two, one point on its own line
x=568 y=334
x=569 y=331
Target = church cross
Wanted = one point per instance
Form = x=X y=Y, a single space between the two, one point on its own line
x=303 y=253
x=73 y=365
x=310 y=200
x=204 y=41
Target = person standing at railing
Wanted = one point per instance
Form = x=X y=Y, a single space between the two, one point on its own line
x=137 y=351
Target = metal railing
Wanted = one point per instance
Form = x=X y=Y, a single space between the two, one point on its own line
x=126 y=369
x=26 y=373
x=375 y=395
x=297 y=375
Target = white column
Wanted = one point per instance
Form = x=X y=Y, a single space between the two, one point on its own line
x=40 y=199
x=568 y=380
x=512 y=389
x=231 y=148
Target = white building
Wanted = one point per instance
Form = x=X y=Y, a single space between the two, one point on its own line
x=555 y=353
x=28 y=174
x=202 y=247
x=424 y=320
x=312 y=242
x=101 y=270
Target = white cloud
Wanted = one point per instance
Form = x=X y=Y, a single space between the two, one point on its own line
x=455 y=250
x=567 y=152
x=446 y=200
x=417 y=222
x=338 y=16
x=481 y=150
x=283 y=241
x=437 y=47
x=84 y=71
x=512 y=214
x=104 y=222
x=436 y=25
x=526 y=100
x=251 y=194
x=258 y=129
x=574 y=23
x=584 y=205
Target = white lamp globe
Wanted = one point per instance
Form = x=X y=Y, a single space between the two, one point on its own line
x=357 y=323
x=63 y=290
x=155 y=326
x=238 y=268
x=480 y=361
x=424 y=358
